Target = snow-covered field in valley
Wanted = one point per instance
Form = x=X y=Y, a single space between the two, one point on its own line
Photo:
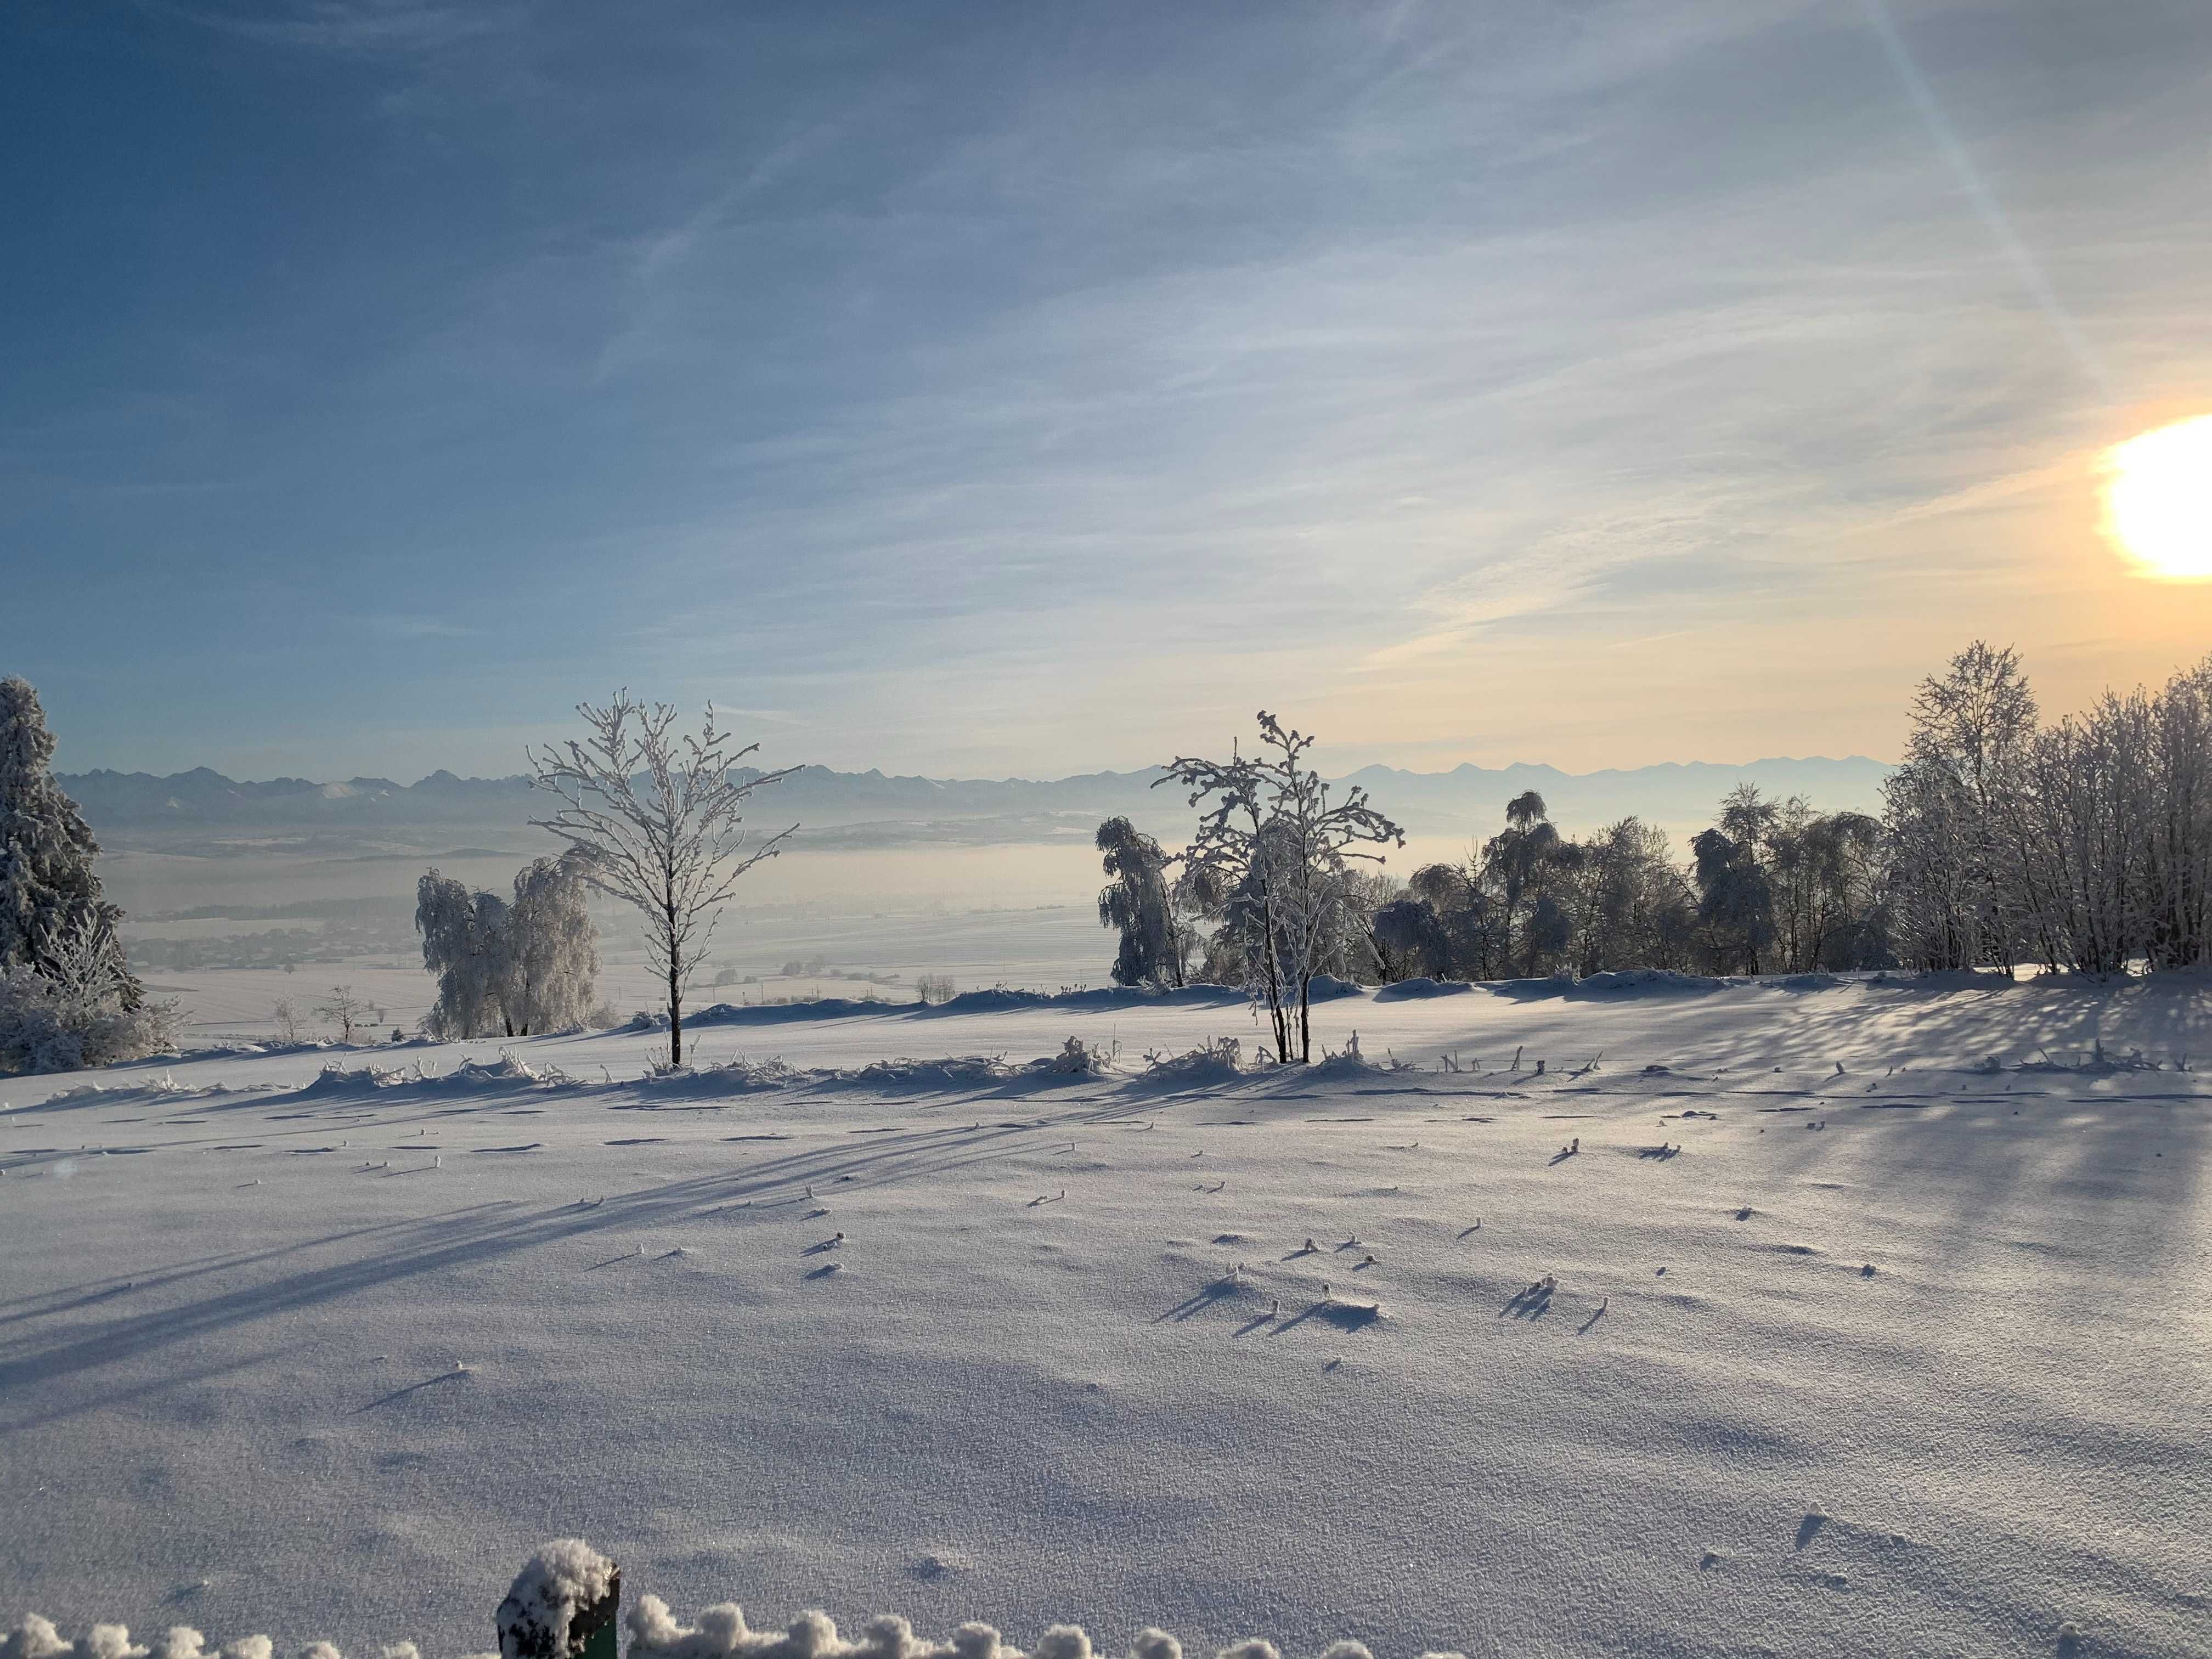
x=1909 y=1357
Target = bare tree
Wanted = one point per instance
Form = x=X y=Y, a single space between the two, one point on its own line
x=657 y=818
x=287 y=1020
x=343 y=1009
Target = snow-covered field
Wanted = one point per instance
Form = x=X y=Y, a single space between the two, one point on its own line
x=1909 y=1358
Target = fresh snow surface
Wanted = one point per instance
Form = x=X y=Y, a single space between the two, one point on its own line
x=328 y=1355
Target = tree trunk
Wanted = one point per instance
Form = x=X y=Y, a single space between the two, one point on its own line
x=675 y=1012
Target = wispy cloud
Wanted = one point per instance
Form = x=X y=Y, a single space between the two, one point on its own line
x=988 y=385
x=354 y=26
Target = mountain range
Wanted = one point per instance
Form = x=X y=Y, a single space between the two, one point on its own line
x=185 y=810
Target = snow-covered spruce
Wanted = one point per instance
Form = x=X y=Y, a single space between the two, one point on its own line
x=67 y=1000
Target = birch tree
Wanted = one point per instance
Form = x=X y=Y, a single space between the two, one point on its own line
x=515 y=967
x=657 y=818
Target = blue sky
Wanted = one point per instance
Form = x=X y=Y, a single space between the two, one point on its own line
x=1013 y=388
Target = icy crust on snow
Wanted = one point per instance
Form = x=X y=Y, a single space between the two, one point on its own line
x=36 y=1637
x=721 y=1633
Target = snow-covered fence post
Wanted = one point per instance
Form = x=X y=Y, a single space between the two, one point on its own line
x=562 y=1605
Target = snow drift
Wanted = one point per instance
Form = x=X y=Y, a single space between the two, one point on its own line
x=722 y=1633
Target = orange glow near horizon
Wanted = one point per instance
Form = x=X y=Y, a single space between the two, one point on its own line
x=2158 y=500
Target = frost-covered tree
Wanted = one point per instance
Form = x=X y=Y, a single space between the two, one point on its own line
x=1273 y=852
x=2086 y=814
x=1138 y=901
x=50 y=903
x=1633 y=906
x=1961 y=886
x=512 y=967
x=71 y=1012
x=345 y=1008
x=68 y=998
x=2175 y=739
x=1735 y=902
x=552 y=954
x=657 y=818
x=464 y=943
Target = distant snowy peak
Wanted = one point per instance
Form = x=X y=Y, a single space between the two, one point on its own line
x=1467 y=800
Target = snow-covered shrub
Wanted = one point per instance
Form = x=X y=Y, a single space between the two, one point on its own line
x=1218 y=1059
x=55 y=1026
x=739 y=1075
x=1076 y=1059
x=960 y=1070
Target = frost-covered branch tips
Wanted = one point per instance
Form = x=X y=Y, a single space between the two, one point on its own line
x=1272 y=858
x=658 y=816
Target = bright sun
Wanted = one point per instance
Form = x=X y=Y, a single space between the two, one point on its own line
x=2158 y=500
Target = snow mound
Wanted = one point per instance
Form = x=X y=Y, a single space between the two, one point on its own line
x=565 y=1579
x=1808 y=981
x=999 y=998
x=204 y=1050
x=1075 y=1058
x=1407 y=990
x=507 y=1072
x=741 y=1075
x=1221 y=1059
x=955 y=1071
x=352 y=1080
x=996 y=999
x=34 y=1638
x=1644 y=981
x=469 y=1077
x=722 y=1633
x=1556 y=985
x=165 y=1087
x=769 y=1013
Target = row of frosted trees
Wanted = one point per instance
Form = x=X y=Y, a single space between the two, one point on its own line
x=2081 y=844
x=1773 y=887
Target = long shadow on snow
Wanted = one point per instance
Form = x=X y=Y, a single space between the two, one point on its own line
x=453 y=1240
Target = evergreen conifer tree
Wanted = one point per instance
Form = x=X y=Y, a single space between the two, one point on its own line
x=52 y=913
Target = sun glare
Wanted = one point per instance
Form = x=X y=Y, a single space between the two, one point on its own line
x=2158 y=500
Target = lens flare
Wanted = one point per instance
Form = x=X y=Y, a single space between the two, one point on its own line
x=2158 y=500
